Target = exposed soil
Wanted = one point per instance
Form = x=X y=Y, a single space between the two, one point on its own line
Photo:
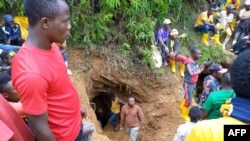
x=158 y=97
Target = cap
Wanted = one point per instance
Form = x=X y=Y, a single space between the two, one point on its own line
x=230 y=7
x=174 y=32
x=247 y=2
x=166 y=21
x=8 y=18
x=217 y=68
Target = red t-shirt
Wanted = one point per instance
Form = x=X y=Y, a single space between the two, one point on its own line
x=41 y=79
x=12 y=125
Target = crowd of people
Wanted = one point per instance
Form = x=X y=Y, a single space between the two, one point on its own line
x=44 y=105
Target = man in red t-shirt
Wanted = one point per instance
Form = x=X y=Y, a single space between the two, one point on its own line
x=12 y=126
x=39 y=74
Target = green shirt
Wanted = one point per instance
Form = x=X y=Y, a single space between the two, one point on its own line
x=215 y=100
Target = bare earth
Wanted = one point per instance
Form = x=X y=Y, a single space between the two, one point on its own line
x=159 y=101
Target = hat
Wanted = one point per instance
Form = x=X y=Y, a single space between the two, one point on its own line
x=166 y=21
x=247 y=2
x=174 y=32
x=8 y=18
x=217 y=68
x=230 y=7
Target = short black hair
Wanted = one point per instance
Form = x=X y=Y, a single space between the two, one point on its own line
x=4 y=79
x=240 y=74
x=5 y=55
x=37 y=9
x=195 y=114
x=194 y=49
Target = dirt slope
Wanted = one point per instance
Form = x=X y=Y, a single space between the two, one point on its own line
x=158 y=99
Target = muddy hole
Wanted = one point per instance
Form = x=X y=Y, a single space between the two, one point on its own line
x=101 y=105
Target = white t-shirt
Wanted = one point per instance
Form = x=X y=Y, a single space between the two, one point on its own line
x=224 y=19
x=183 y=131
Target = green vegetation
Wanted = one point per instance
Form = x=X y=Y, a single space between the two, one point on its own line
x=129 y=25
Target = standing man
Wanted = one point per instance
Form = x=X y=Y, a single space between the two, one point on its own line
x=162 y=35
x=204 y=24
x=11 y=31
x=49 y=99
x=132 y=118
x=192 y=71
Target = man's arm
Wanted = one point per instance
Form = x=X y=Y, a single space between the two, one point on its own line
x=121 y=101
x=40 y=127
x=194 y=72
x=122 y=117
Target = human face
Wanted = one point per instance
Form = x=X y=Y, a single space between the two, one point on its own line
x=211 y=11
x=10 y=93
x=131 y=101
x=11 y=23
x=218 y=75
x=59 y=29
x=166 y=26
x=197 y=54
x=247 y=7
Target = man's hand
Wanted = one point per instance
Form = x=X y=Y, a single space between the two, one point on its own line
x=171 y=54
x=187 y=103
x=247 y=42
x=206 y=64
x=83 y=112
x=166 y=49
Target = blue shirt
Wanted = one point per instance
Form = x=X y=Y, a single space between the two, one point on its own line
x=162 y=34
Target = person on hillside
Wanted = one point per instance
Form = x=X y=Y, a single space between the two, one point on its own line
x=241 y=45
x=214 y=3
x=50 y=100
x=211 y=82
x=243 y=27
x=192 y=71
x=13 y=127
x=115 y=109
x=236 y=4
x=224 y=20
x=62 y=48
x=204 y=24
x=12 y=31
x=183 y=129
x=173 y=54
x=131 y=118
x=211 y=107
x=162 y=35
x=235 y=110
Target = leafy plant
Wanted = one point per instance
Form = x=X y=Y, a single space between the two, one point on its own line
x=212 y=53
